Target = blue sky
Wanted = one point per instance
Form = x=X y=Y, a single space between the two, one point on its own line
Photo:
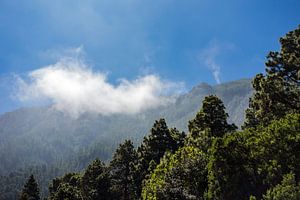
x=186 y=41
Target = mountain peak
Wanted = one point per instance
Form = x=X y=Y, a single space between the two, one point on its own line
x=201 y=88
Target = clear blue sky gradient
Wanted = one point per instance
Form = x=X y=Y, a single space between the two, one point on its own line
x=130 y=37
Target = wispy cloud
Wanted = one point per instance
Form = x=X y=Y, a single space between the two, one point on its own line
x=209 y=57
x=63 y=53
x=72 y=86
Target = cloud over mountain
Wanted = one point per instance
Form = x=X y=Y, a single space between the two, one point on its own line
x=72 y=86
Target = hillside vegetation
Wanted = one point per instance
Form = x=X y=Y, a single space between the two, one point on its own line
x=214 y=161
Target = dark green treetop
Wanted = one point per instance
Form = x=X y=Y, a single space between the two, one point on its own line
x=253 y=160
x=211 y=117
x=66 y=187
x=122 y=175
x=30 y=190
x=183 y=174
x=278 y=92
x=286 y=63
x=96 y=181
x=160 y=140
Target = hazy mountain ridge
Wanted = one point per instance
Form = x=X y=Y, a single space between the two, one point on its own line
x=44 y=135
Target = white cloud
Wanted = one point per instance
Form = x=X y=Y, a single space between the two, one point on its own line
x=209 y=57
x=63 y=53
x=74 y=87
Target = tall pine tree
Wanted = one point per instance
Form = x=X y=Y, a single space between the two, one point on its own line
x=153 y=148
x=121 y=166
x=96 y=182
x=278 y=92
x=30 y=190
x=211 y=119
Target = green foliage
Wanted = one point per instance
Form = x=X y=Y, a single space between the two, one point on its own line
x=286 y=63
x=251 y=161
x=288 y=189
x=93 y=184
x=183 y=175
x=178 y=176
x=159 y=141
x=177 y=139
x=215 y=162
x=123 y=178
x=153 y=148
x=209 y=122
x=67 y=192
x=211 y=117
x=43 y=142
x=66 y=187
x=277 y=148
x=11 y=184
x=273 y=99
x=277 y=93
x=235 y=166
x=121 y=170
x=30 y=190
x=229 y=169
x=96 y=181
x=252 y=198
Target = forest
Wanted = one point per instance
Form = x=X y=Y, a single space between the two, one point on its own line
x=214 y=160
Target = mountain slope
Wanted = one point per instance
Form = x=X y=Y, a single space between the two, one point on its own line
x=45 y=136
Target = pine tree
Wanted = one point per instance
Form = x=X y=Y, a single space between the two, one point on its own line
x=212 y=118
x=96 y=182
x=153 y=148
x=121 y=171
x=278 y=92
x=30 y=190
x=159 y=140
x=253 y=160
x=273 y=99
x=66 y=187
x=286 y=63
x=177 y=140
